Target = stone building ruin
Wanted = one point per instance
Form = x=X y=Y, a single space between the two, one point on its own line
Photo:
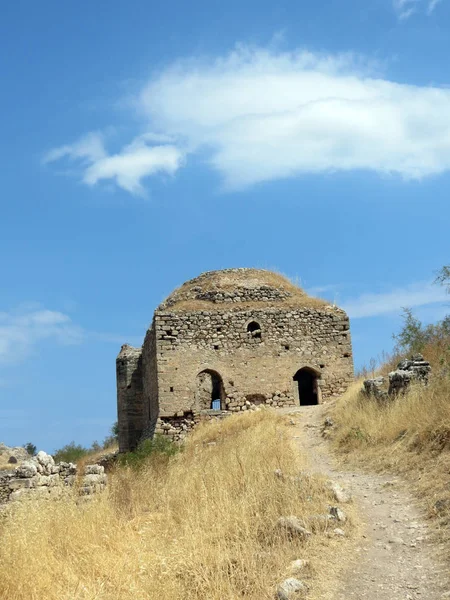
x=228 y=341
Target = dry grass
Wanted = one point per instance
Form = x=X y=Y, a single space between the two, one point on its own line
x=94 y=457
x=5 y=465
x=410 y=436
x=229 y=280
x=198 y=525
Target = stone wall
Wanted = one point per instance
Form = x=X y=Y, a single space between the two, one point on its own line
x=40 y=476
x=189 y=343
x=177 y=428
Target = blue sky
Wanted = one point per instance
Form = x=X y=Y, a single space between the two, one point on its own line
x=144 y=143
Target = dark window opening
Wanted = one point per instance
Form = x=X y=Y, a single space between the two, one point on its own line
x=168 y=332
x=346 y=355
x=216 y=347
x=254 y=329
x=219 y=329
x=322 y=366
x=307 y=385
x=210 y=392
x=286 y=347
x=171 y=389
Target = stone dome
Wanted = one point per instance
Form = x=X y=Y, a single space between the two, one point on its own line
x=238 y=288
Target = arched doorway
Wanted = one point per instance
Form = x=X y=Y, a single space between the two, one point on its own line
x=307 y=386
x=210 y=393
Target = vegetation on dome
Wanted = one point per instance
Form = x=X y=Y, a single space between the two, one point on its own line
x=236 y=289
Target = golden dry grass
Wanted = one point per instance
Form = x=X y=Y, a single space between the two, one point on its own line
x=5 y=465
x=199 y=525
x=94 y=457
x=409 y=436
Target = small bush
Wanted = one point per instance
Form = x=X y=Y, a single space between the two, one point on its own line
x=113 y=438
x=70 y=453
x=30 y=448
x=160 y=444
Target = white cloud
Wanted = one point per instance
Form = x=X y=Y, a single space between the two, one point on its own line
x=21 y=331
x=128 y=168
x=406 y=8
x=421 y=294
x=90 y=148
x=257 y=115
x=432 y=5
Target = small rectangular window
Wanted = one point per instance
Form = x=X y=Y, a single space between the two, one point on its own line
x=171 y=389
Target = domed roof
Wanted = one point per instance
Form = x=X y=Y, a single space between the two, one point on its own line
x=238 y=288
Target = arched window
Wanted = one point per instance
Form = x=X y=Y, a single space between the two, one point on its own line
x=307 y=387
x=210 y=393
x=254 y=330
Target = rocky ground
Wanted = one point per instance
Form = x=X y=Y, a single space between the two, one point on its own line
x=396 y=557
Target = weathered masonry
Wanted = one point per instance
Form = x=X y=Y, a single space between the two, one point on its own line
x=227 y=341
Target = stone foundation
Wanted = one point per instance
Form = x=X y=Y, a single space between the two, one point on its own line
x=177 y=428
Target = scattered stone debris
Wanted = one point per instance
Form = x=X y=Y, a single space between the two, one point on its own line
x=414 y=369
x=339 y=532
x=340 y=495
x=291 y=588
x=338 y=514
x=298 y=565
x=40 y=475
x=396 y=540
x=293 y=525
x=108 y=460
x=278 y=473
x=374 y=387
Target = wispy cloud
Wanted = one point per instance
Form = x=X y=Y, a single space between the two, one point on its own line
x=258 y=114
x=25 y=329
x=405 y=8
x=420 y=294
x=136 y=161
x=22 y=330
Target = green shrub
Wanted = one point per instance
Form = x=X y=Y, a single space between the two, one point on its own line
x=70 y=453
x=159 y=445
x=30 y=448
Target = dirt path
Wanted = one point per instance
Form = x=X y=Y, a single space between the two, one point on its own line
x=395 y=559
